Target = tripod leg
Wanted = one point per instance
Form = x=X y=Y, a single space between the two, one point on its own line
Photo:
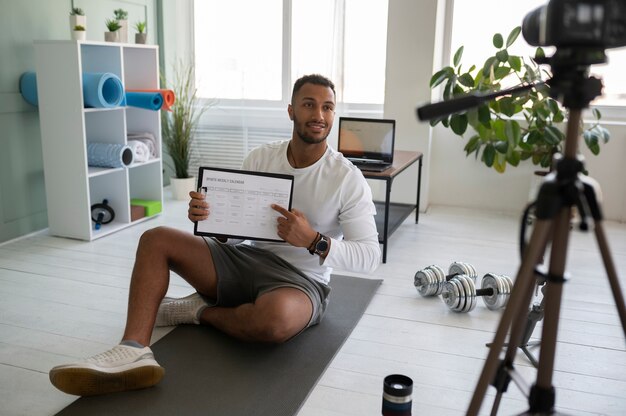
x=611 y=272
x=541 y=398
x=516 y=308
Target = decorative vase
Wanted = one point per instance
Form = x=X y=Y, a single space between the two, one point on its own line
x=181 y=187
x=79 y=35
x=111 y=36
x=77 y=20
x=123 y=31
x=141 y=38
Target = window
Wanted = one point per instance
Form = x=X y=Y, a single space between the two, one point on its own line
x=476 y=36
x=248 y=53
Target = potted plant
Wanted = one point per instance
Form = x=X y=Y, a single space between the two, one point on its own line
x=77 y=18
x=496 y=136
x=79 y=33
x=178 y=128
x=141 y=35
x=121 y=16
x=112 y=35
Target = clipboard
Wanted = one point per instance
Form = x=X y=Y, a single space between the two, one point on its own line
x=240 y=203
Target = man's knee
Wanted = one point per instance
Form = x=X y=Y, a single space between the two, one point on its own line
x=155 y=238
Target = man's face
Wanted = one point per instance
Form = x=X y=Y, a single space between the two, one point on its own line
x=313 y=113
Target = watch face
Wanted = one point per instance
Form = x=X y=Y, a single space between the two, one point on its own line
x=321 y=246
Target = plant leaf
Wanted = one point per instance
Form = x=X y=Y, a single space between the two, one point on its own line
x=457 y=56
x=466 y=80
x=501 y=72
x=499 y=163
x=440 y=76
x=513 y=36
x=489 y=155
x=515 y=62
x=486 y=71
x=513 y=158
x=501 y=147
x=507 y=107
x=513 y=133
x=458 y=123
x=498 y=42
x=591 y=140
x=503 y=55
x=553 y=135
x=484 y=115
x=472 y=145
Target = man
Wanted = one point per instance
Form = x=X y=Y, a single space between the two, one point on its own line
x=259 y=292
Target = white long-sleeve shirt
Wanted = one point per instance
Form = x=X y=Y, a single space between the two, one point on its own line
x=336 y=200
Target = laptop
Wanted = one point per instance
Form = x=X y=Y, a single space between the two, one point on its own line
x=367 y=142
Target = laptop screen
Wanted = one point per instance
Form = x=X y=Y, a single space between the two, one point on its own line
x=367 y=138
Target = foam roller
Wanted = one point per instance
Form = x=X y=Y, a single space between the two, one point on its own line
x=108 y=155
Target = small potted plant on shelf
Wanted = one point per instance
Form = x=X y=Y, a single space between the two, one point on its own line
x=112 y=35
x=141 y=35
x=121 y=16
x=77 y=18
x=79 y=33
x=494 y=133
x=179 y=126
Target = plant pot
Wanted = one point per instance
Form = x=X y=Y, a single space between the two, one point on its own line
x=181 y=187
x=123 y=31
x=79 y=35
x=111 y=36
x=141 y=38
x=76 y=20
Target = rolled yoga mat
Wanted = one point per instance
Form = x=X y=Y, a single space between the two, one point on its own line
x=100 y=89
x=169 y=98
x=109 y=155
x=147 y=100
x=208 y=372
x=28 y=88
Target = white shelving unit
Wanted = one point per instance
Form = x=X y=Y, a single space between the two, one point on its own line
x=72 y=186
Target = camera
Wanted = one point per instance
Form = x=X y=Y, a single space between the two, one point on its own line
x=577 y=23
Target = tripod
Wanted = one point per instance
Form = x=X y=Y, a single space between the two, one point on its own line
x=560 y=191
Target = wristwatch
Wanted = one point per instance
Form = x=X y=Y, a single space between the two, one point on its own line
x=321 y=245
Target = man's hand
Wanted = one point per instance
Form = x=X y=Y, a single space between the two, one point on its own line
x=198 y=207
x=294 y=228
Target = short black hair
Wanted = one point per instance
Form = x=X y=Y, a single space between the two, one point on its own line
x=316 y=79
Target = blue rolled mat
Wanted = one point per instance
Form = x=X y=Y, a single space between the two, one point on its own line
x=146 y=100
x=102 y=89
x=28 y=88
x=109 y=155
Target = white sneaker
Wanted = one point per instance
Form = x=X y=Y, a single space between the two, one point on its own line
x=118 y=369
x=173 y=311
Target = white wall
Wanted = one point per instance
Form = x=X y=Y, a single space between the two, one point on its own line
x=414 y=51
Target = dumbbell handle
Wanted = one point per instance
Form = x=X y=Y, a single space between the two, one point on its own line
x=484 y=292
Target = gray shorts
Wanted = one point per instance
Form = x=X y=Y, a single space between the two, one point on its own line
x=244 y=273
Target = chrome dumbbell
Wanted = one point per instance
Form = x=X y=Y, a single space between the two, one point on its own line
x=429 y=281
x=459 y=293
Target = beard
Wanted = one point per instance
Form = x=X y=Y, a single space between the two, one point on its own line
x=300 y=129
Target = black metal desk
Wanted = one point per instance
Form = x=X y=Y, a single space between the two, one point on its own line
x=395 y=213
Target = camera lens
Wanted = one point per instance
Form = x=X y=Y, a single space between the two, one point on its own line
x=397 y=395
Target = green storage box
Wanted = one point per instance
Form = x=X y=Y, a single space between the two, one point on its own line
x=152 y=207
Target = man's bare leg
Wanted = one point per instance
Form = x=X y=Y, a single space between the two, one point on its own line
x=274 y=317
x=160 y=250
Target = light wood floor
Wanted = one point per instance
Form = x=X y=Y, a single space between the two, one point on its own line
x=63 y=299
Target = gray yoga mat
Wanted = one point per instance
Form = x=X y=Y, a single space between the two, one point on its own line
x=209 y=373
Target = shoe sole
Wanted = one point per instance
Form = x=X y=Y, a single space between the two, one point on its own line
x=88 y=382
